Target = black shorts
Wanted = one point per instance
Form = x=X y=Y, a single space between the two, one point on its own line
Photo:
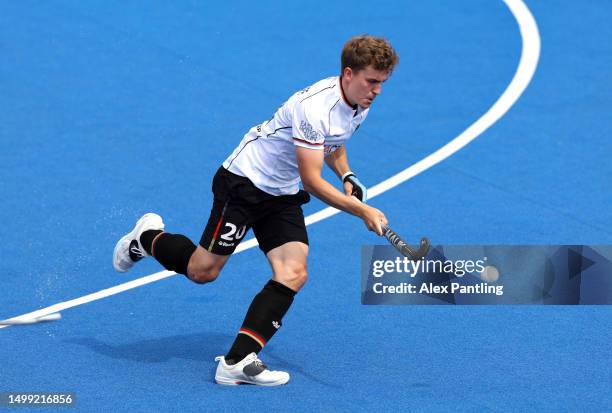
x=239 y=206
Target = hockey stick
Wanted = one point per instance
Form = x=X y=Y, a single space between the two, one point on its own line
x=404 y=248
x=399 y=243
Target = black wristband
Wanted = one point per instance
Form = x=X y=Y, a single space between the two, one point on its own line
x=346 y=177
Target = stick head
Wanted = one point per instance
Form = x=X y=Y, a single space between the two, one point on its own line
x=404 y=248
x=423 y=249
x=415 y=255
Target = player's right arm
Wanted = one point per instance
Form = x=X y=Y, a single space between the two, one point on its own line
x=310 y=164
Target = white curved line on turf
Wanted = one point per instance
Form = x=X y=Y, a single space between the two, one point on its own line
x=526 y=68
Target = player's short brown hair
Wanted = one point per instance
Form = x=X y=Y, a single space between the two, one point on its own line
x=365 y=50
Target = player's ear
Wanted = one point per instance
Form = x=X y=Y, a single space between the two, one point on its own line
x=347 y=73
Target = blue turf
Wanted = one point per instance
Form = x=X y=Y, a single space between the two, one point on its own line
x=110 y=110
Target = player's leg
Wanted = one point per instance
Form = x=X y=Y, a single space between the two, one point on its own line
x=227 y=225
x=282 y=237
x=263 y=319
x=178 y=253
x=175 y=252
x=265 y=314
x=288 y=264
x=205 y=266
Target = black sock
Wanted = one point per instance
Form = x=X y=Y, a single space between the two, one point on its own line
x=147 y=237
x=262 y=320
x=173 y=251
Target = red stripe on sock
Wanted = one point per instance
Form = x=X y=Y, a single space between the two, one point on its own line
x=153 y=243
x=253 y=335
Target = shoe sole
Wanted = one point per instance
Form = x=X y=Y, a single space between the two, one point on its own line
x=128 y=238
x=229 y=382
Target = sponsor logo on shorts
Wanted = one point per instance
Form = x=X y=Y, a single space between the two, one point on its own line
x=226 y=244
x=276 y=324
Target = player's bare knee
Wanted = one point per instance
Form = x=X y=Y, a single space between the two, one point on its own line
x=203 y=275
x=202 y=272
x=294 y=276
x=301 y=278
x=204 y=267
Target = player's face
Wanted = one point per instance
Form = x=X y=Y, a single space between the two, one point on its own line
x=363 y=86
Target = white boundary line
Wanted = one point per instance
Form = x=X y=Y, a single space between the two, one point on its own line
x=524 y=73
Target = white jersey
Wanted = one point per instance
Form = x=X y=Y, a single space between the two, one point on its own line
x=317 y=118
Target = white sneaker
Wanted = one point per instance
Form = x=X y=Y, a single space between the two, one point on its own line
x=250 y=370
x=129 y=250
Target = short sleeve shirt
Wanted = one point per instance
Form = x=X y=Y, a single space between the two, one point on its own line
x=316 y=118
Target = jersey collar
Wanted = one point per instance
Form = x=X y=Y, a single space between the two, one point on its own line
x=355 y=109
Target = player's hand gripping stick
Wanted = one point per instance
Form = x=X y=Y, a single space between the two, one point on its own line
x=360 y=192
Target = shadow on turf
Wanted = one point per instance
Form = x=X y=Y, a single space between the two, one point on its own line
x=199 y=347
x=202 y=347
x=294 y=368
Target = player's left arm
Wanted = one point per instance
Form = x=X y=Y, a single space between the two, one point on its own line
x=338 y=162
x=310 y=164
